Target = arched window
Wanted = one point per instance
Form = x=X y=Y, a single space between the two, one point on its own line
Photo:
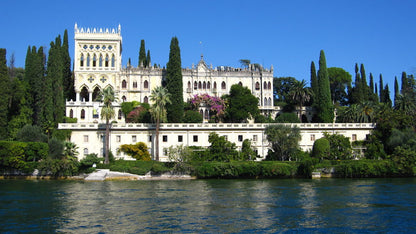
x=239 y=83
x=124 y=98
x=223 y=85
x=206 y=114
x=199 y=85
x=265 y=102
x=146 y=99
x=269 y=85
x=270 y=102
x=94 y=61
x=120 y=113
x=189 y=85
x=201 y=112
x=100 y=61
x=215 y=85
x=265 y=85
x=82 y=114
x=257 y=86
x=146 y=84
x=85 y=151
x=204 y=85
x=106 y=61
x=95 y=93
x=88 y=60
x=113 y=61
x=71 y=113
x=195 y=85
x=209 y=85
x=124 y=84
x=81 y=63
x=134 y=84
x=84 y=95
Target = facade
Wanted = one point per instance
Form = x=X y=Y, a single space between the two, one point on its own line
x=97 y=65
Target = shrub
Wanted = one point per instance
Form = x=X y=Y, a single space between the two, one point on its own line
x=321 y=148
x=192 y=116
x=287 y=118
x=31 y=133
x=138 y=151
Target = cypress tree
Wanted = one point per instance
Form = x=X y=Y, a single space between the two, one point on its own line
x=372 y=94
x=325 y=106
x=142 y=54
x=68 y=81
x=356 y=95
x=405 y=83
x=364 y=86
x=382 y=98
x=396 y=90
x=4 y=92
x=314 y=82
x=387 y=95
x=174 y=84
x=148 y=60
x=38 y=85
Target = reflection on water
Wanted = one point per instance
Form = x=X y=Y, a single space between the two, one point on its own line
x=209 y=206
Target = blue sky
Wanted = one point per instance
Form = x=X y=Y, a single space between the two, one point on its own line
x=286 y=34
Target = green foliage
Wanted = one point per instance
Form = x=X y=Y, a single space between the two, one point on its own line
x=18 y=155
x=405 y=159
x=375 y=148
x=245 y=170
x=241 y=105
x=62 y=134
x=127 y=107
x=321 y=149
x=5 y=94
x=192 y=116
x=366 y=168
x=220 y=149
x=325 y=109
x=35 y=151
x=90 y=159
x=140 y=114
x=56 y=148
x=281 y=88
x=138 y=151
x=137 y=167
x=31 y=133
x=284 y=142
x=174 y=83
x=287 y=118
x=69 y=120
x=340 y=81
x=142 y=55
x=340 y=146
x=247 y=152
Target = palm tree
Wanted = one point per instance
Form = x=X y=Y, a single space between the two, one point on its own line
x=160 y=97
x=405 y=103
x=107 y=97
x=300 y=94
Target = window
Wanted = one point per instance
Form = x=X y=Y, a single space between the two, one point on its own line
x=240 y=138
x=215 y=85
x=150 y=138
x=206 y=114
x=81 y=63
x=209 y=85
x=223 y=85
x=134 y=84
x=120 y=113
x=100 y=61
x=180 y=138
x=118 y=138
x=124 y=84
x=226 y=137
x=204 y=85
x=124 y=100
x=71 y=113
x=113 y=61
x=269 y=85
x=82 y=114
x=88 y=60
x=254 y=138
x=189 y=85
x=354 y=137
x=239 y=83
x=146 y=99
x=313 y=137
x=146 y=84
x=106 y=61
x=195 y=138
x=195 y=85
x=265 y=85
x=85 y=138
x=133 y=138
x=85 y=151
x=200 y=85
x=94 y=61
x=257 y=86
x=165 y=138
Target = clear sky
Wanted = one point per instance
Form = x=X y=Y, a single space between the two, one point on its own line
x=289 y=35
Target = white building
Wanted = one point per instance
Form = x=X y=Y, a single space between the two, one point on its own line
x=97 y=65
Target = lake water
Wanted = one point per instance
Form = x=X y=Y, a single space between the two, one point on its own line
x=209 y=206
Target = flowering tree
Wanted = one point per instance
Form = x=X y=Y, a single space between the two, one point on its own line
x=215 y=104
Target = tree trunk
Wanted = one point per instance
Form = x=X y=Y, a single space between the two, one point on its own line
x=107 y=141
x=157 y=139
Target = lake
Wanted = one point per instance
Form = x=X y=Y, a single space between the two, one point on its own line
x=209 y=206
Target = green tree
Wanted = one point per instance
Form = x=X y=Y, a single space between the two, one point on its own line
x=245 y=62
x=148 y=59
x=396 y=91
x=284 y=142
x=4 y=101
x=340 y=146
x=142 y=55
x=314 y=81
x=107 y=97
x=340 y=82
x=175 y=110
x=241 y=105
x=287 y=118
x=220 y=149
x=382 y=93
x=281 y=88
x=321 y=149
x=247 y=152
x=192 y=116
x=68 y=81
x=139 y=151
x=160 y=98
x=300 y=94
x=325 y=107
